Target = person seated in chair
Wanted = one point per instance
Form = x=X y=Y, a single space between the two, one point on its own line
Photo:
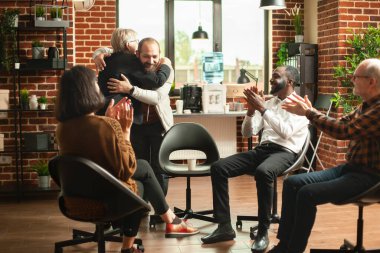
x=283 y=135
x=304 y=192
x=106 y=141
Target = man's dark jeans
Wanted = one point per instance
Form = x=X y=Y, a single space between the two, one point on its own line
x=303 y=192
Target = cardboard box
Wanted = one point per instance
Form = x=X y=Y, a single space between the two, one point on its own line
x=4 y=99
x=1 y=142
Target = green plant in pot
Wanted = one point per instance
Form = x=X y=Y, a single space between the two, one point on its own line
x=8 y=41
x=38 y=50
x=40 y=12
x=24 y=97
x=42 y=102
x=56 y=13
x=282 y=54
x=364 y=45
x=42 y=169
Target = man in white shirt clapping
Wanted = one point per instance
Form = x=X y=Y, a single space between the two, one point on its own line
x=283 y=135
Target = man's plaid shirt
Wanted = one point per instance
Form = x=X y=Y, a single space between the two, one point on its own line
x=361 y=127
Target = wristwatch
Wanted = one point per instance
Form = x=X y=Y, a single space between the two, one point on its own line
x=132 y=90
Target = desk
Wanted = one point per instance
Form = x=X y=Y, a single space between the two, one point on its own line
x=222 y=127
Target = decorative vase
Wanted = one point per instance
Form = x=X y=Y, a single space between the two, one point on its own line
x=38 y=52
x=298 y=38
x=44 y=181
x=33 y=104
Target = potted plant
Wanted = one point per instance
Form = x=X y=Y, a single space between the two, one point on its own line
x=56 y=13
x=42 y=169
x=40 y=12
x=296 y=15
x=37 y=50
x=8 y=42
x=24 y=97
x=282 y=54
x=364 y=45
x=42 y=102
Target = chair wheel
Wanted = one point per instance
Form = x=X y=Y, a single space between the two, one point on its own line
x=239 y=224
x=141 y=247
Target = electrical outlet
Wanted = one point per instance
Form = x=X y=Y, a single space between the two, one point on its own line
x=5 y=159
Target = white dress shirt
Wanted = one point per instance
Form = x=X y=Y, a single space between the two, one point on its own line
x=279 y=126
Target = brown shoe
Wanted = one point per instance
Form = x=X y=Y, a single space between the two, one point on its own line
x=180 y=230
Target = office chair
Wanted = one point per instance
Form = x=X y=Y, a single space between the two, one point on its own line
x=369 y=197
x=275 y=218
x=102 y=197
x=188 y=136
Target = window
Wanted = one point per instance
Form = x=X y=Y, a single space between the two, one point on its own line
x=146 y=17
x=235 y=28
x=243 y=39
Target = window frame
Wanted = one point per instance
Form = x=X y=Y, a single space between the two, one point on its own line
x=217 y=33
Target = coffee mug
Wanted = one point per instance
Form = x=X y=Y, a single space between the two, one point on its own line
x=179 y=106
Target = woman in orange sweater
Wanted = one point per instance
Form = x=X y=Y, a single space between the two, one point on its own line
x=106 y=141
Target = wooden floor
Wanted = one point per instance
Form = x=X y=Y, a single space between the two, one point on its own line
x=33 y=225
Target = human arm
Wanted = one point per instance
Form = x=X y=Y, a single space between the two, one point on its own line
x=253 y=121
x=153 y=79
x=148 y=81
x=98 y=57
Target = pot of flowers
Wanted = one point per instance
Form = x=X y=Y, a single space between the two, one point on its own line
x=296 y=15
x=42 y=170
x=24 y=97
x=56 y=13
x=42 y=102
x=40 y=13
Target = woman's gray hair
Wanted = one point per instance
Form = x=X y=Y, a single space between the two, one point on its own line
x=120 y=37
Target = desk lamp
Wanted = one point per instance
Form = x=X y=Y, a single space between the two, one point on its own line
x=243 y=78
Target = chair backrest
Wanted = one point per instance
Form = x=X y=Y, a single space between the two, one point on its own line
x=81 y=178
x=187 y=136
x=368 y=197
x=300 y=156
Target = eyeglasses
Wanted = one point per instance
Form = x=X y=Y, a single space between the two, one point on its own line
x=136 y=40
x=353 y=77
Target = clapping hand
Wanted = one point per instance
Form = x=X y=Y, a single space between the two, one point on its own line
x=254 y=101
x=297 y=105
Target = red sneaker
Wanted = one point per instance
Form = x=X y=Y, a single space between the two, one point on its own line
x=180 y=230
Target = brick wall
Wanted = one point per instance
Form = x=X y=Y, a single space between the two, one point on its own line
x=92 y=29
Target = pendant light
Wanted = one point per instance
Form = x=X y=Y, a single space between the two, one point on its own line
x=272 y=4
x=200 y=34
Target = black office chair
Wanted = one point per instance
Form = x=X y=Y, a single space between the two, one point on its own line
x=369 y=197
x=188 y=136
x=275 y=218
x=102 y=197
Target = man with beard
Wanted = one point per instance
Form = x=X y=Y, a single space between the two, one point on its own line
x=283 y=135
x=156 y=113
